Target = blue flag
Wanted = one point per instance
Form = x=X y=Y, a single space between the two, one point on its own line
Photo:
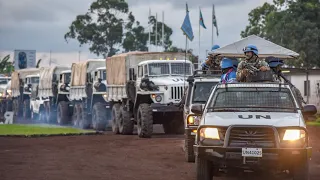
x=186 y=26
x=201 y=21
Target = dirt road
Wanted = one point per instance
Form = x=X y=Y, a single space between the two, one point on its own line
x=111 y=157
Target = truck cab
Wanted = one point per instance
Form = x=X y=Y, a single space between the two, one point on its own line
x=3 y=95
x=64 y=82
x=161 y=83
x=99 y=79
x=200 y=85
x=252 y=127
x=29 y=92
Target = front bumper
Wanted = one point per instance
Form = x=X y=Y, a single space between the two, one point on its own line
x=156 y=107
x=274 y=158
x=271 y=158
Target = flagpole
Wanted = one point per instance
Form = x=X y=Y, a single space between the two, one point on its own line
x=156 y=32
x=149 y=30
x=212 y=26
x=199 y=35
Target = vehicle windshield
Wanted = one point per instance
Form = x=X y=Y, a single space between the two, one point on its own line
x=4 y=81
x=67 y=77
x=34 y=80
x=103 y=74
x=252 y=99
x=159 y=69
x=201 y=91
x=180 y=68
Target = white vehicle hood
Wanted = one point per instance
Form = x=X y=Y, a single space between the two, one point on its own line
x=277 y=119
x=3 y=87
x=167 y=81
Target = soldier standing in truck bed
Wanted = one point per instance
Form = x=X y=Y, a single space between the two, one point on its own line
x=251 y=53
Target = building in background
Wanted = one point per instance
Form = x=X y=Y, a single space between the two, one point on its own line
x=24 y=59
x=298 y=77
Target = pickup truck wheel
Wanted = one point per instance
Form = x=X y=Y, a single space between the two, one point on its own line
x=99 y=117
x=26 y=109
x=115 y=118
x=62 y=113
x=300 y=171
x=84 y=122
x=188 y=144
x=145 y=121
x=126 y=125
x=203 y=168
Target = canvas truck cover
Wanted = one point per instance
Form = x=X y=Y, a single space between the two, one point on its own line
x=46 y=79
x=79 y=71
x=118 y=66
x=20 y=74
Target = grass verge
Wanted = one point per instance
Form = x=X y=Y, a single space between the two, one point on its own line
x=36 y=130
x=314 y=123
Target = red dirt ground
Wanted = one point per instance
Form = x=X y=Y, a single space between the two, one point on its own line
x=111 y=157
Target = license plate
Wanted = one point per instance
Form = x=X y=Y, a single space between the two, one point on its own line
x=252 y=152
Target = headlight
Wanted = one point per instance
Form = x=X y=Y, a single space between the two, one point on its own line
x=193 y=120
x=293 y=135
x=210 y=133
x=156 y=97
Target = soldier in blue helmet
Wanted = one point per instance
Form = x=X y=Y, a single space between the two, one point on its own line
x=211 y=63
x=228 y=67
x=276 y=64
x=251 y=53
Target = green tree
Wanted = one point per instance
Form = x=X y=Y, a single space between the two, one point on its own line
x=193 y=58
x=156 y=25
x=6 y=67
x=292 y=24
x=101 y=27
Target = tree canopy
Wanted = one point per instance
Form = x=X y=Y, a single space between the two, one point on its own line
x=109 y=25
x=294 y=24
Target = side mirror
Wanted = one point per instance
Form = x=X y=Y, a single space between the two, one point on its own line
x=196 y=109
x=309 y=110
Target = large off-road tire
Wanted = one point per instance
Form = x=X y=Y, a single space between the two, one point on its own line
x=49 y=113
x=99 y=117
x=203 y=168
x=300 y=171
x=84 y=122
x=126 y=125
x=115 y=118
x=63 y=113
x=188 y=145
x=145 y=121
x=26 y=109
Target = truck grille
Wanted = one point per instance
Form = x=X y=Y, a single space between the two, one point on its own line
x=252 y=137
x=176 y=92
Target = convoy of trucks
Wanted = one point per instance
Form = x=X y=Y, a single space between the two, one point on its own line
x=145 y=89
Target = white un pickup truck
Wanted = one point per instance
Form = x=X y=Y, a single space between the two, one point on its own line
x=252 y=127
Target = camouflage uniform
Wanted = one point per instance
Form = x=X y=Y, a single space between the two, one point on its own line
x=242 y=77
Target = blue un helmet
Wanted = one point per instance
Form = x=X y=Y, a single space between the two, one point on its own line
x=274 y=62
x=251 y=48
x=214 y=47
x=226 y=63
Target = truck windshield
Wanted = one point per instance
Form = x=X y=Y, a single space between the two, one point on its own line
x=252 y=99
x=159 y=69
x=103 y=74
x=34 y=80
x=4 y=81
x=201 y=91
x=67 y=77
x=180 y=68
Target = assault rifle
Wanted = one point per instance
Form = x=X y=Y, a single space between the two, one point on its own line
x=294 y=87
x=251 y=68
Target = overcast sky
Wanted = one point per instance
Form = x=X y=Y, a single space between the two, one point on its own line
x=41 y=24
